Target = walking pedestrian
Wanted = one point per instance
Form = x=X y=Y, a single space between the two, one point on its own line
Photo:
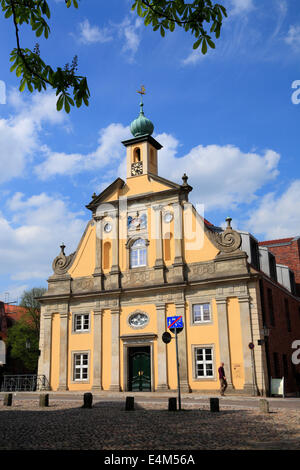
x=222 y=378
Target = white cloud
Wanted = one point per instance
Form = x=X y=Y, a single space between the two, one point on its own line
x=13 y=292
x=241 y=6
x=196 y=56
x=19 y=134
x=130 y=32
x=293 y=36
x=93 y=34
x=30 y=238
x=277 y=216
x=108 y=153
x=223 y=177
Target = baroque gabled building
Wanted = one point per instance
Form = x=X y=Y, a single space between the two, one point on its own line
x=146 y=254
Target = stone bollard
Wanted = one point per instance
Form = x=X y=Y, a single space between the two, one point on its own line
x=214 y=404
x=264 y=405
x=172 y=404
x=129 y=405
x=87 y=400
x=44 y=399
x=7 y=401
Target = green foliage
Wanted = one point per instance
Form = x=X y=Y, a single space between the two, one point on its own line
x=194 y=17
x=33 y=72
x=72 y=89
x=26 y=330
x=17 y=336
x=30 y=302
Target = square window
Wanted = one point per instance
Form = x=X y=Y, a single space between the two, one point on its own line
x=81 y=366
x=204 y=362
x=201 y=313
x=81 y=322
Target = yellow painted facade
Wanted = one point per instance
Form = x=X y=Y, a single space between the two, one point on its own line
x=84 y=263
x=107 y=307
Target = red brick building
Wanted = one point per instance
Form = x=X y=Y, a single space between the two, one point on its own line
x=280 y=297
x=277 y=263
x=287 y=252
x=281 y=317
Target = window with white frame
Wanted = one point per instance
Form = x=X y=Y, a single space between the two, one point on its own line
x=81 y=322
x=138 y=253
x=81 y=366
x=204 y=366
x=201 y=313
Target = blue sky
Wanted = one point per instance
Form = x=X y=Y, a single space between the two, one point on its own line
x=227 y=119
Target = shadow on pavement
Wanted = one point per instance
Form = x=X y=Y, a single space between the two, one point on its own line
x=107 y=426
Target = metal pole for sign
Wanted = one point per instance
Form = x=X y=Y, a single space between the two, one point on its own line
x=178 y=377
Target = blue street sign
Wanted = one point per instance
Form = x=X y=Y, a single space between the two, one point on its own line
x=175 y=322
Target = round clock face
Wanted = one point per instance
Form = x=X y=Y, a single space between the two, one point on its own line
x=136 y=168
x=107 y=227
x=168 y=217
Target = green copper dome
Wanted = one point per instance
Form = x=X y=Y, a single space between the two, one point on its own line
x=141 y=125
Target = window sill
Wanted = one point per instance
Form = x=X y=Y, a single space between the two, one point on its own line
x=141 y=267
x=80 y=332
x=204 y=379
x=84 y=381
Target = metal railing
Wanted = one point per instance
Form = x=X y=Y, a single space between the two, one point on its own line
x=24 y=383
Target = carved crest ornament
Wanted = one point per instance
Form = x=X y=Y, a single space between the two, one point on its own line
x=62 y=262
x=228 y=241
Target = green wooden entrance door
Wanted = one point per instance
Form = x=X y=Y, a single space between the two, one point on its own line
x=139 y=377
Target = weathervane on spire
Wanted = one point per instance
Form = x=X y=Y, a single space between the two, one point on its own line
x=141 y=126
x=142 y=91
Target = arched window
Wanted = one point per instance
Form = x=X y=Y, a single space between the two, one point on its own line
x=137 y=155
x=138 y=253
x=106 y=255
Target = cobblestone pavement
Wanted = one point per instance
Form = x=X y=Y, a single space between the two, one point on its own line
x=65 y=425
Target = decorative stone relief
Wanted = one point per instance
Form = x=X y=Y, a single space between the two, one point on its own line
x=62 y=263
x=201 y=269
x=82 y=284
x=228 y=241
x=138 y=277
x=138 y=319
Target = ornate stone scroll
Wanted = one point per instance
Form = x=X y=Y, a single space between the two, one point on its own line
x=228 y=241
x=62 y=262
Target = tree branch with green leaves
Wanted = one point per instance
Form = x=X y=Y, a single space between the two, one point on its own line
x=72 y=89
x=195 y=17
x=34 y=73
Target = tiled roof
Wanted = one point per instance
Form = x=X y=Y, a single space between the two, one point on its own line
x=275 y=242
x=207 y=222
x=14 y=311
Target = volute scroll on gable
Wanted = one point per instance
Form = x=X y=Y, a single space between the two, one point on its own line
x=229 y=241
x=62 y=263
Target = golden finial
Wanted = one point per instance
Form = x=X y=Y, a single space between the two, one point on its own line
x=142 y=91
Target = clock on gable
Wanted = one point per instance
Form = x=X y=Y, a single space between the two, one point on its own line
x=136 y=168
